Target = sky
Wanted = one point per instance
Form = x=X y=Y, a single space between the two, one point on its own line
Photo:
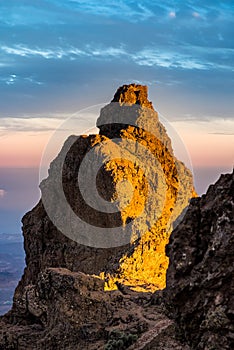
x=58 y=57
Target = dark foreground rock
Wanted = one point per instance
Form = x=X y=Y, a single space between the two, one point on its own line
x=70 y=310
x=200 y=284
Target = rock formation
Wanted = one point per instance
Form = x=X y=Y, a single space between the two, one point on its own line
x=200 y=285
x=116 y=230
x=134 y=148
x=60 y=304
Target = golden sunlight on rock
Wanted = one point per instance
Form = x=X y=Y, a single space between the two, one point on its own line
x=151 y=187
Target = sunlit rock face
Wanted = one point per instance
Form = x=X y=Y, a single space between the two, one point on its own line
x=162 y=185
x=200 y=283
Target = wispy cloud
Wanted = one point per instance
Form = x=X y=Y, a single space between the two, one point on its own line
x=28 y=124
x=209 y=125
x=215 y=120
x=144 y=57
x=13 y=79
x=106 y=52
x=149 y=57
x=225 y=133
x=127 y=10
x=66 y=52
x=57 y=12
x=24 y=51
x=4 y=64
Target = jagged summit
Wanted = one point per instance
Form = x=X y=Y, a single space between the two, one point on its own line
x=131 y=107
x=133 y=94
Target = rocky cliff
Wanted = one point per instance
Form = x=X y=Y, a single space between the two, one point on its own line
x=107 y=209
x=116 y=222
x=200 y=285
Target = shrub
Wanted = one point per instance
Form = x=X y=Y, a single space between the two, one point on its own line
x=120 y=340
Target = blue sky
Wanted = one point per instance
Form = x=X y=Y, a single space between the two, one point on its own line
x=52 y=53
x=57 y=57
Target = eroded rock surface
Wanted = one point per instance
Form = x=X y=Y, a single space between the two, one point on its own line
x=70 y=310
x=200 y=284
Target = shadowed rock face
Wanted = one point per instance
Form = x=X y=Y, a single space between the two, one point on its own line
x=200 y=285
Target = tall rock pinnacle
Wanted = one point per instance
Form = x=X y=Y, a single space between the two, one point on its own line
x=130 y=190
x=107 y=209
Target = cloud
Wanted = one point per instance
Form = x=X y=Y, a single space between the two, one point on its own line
x=101 y=34
x=24 y=51
x=210 y=125
x=106 y=52
x=172 y=14
x=134 y=12
x=149 y=57
x=145 y=57
x=13 y=79
x=196 y=14
x=226 y=133
x=66 y=52
x=4 y=64
x=29 y=14
x=2 y=193
x=93 y=43
x=127 y=10
x=59 y=11
x=36 y=124
x=69 y=123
